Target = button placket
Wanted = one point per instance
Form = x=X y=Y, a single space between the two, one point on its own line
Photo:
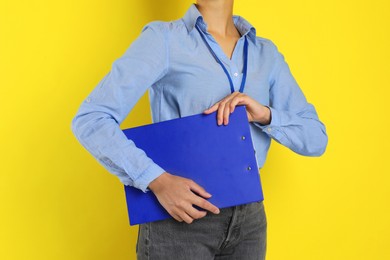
x=235 y=75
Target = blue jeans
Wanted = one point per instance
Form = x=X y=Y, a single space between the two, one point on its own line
x=235 y=233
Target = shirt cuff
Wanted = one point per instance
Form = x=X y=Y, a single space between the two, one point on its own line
x=151 y=173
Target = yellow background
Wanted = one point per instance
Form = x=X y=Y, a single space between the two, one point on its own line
x=57 y=202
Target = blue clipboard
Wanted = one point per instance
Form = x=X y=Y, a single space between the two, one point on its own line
x=221 y=159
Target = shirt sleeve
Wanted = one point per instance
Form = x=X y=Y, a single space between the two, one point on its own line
x=294 y=121
x=97 y=123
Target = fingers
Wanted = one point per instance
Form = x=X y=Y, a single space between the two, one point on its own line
x=178 y=195
x=199 y=201
x=226 y=106
x=225 y=114
x=204 y=204
x=198 y=189
x=175 y=216
x=194 y=213
x=212 y=109
x=216 y=106
x=185 y=211
x=186 y=218
x=189 y=215
x=235 y=102
x=220 y=114
x=224 y=109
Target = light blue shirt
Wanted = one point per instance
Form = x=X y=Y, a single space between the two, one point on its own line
x=171 y=60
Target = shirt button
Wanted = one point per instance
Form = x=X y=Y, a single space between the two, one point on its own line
x=88 y=100
x=269 y=129
x=235 y=74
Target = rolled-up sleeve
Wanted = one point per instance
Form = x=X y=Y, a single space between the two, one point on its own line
x=97 y=122
x=294 y=122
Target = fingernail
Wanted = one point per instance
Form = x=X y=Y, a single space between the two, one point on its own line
x=217 y=211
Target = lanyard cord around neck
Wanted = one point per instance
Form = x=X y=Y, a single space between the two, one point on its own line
x=244 y=72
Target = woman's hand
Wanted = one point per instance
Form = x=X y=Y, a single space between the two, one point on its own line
x=178 y=195
x=256 y=112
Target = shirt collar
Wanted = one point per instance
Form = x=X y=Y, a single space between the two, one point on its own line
x=193 y=17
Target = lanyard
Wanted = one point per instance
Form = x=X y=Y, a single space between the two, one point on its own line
x=244 y=72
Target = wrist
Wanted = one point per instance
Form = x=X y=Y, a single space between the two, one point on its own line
x=265 y=119
x=158 y=182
